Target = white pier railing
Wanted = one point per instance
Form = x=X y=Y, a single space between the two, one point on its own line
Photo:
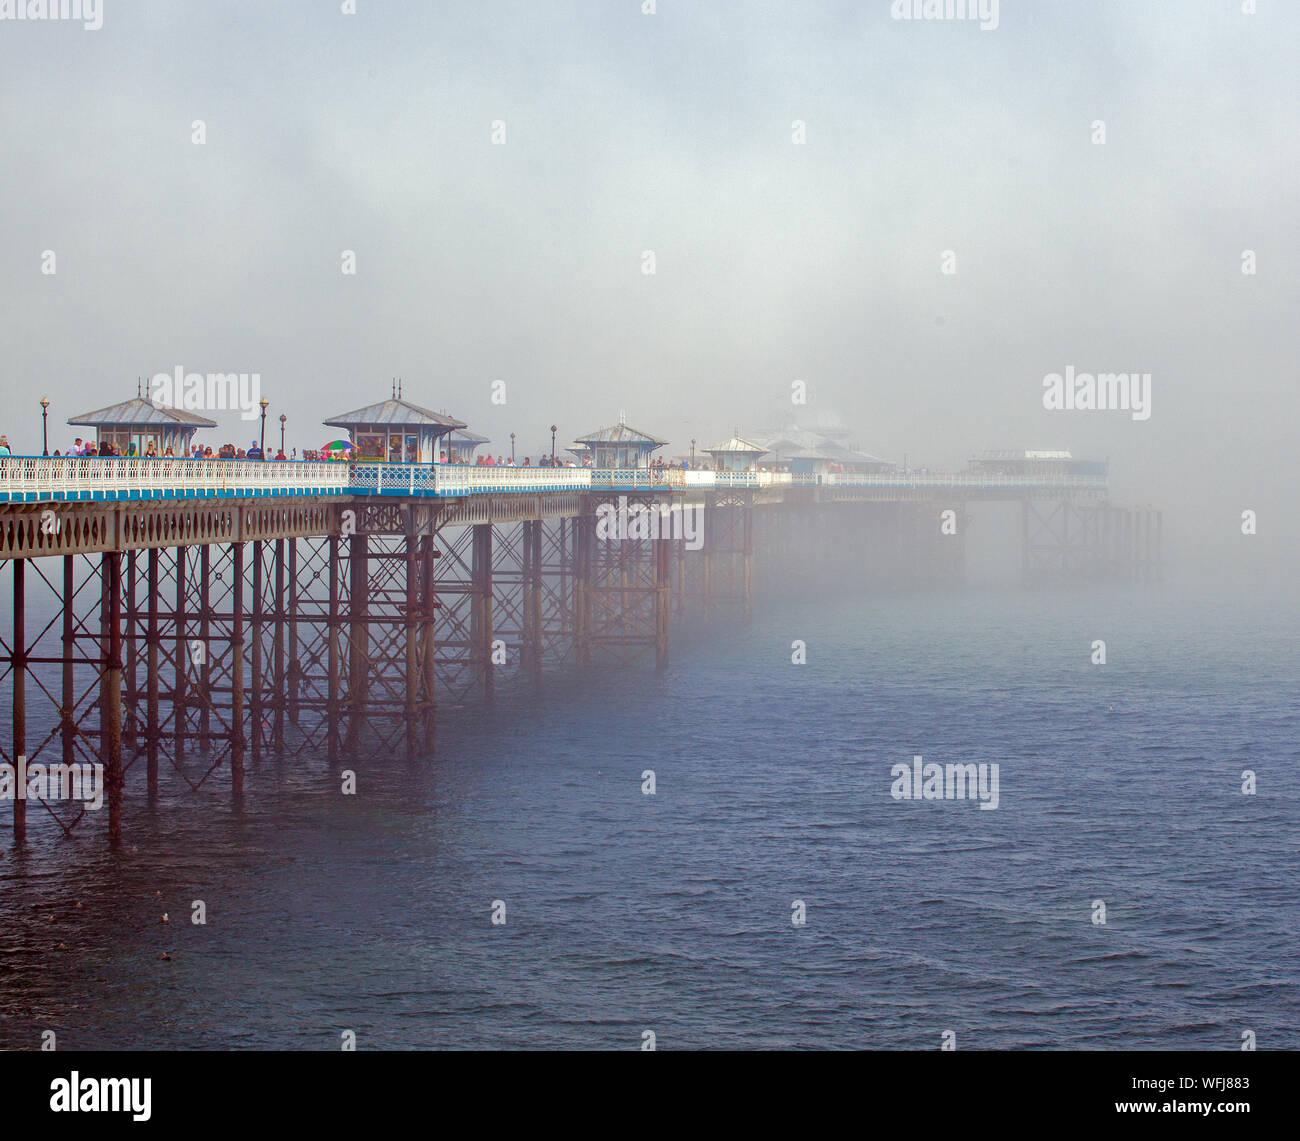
x=462 y=479
x=36 y=479
x=32 y=479
x=960 y=480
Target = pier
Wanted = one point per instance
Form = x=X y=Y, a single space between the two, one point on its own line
x=210 y=612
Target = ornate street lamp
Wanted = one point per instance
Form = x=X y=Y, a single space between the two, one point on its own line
x=283 y=418
x=512 y=447
x=692 y=453
x=553 y=431
x=261 y=446
x=45 y=419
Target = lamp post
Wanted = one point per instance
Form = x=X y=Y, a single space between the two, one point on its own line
x=283 y=418
x=261 y=446
x=45 y=419
x=553 y=431
x=512 y=447
x=692 y=453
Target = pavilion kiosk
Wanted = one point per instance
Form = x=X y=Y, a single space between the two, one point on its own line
x=735 y=454
x=142 y=422
x=396 y=430
x=620 y=446
x=851 y=460
x=810 y=461
x=461 y=445
x=777 y=453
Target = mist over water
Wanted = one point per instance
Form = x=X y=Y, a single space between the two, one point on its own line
x=917 y=221
x=628 y=912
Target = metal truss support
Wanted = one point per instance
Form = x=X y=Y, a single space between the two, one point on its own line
x=1067 y=541
x=729 y=552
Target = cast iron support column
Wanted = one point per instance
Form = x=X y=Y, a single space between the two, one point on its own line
x=294 y=680
x=18 y=660
x=204 y=664
x=277 y=660
x=429 y=601
x=1024 y=541
x=151 y=682
x=67 y=711
x=1160 y=546
x=747 y=512
x=334 y=665
x=583 y=534
x=131 y=678
x=411 y=632
x=237 y=740
x=110 y=691
x=481 y=608
x=710 y=554
x=358 y=637
x=663 y=556
x=179 y=701
x=532 y=589
x=255 y=652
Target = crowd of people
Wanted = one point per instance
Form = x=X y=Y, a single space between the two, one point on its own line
x=107 y=447
x=509 y=461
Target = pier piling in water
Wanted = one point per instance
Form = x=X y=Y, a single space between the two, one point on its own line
x=336 y=625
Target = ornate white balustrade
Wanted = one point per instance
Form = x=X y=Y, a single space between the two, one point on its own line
x=462 y=479
x=959 y=480
x=37 y=479
x=34 y=479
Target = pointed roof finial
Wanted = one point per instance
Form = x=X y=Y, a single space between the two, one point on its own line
x=622 y=416
x=393 y=391
x=399 y=388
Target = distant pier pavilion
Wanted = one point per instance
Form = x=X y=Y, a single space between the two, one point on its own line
x=214 y=612
x=141 y=422
x=396 y=430
x=461 y=445
x=735 y=454
x=620 y=446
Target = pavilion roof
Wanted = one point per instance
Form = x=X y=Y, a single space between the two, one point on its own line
x=621 y=433
x=736 y=445
x=141 y=411
x=395 y=413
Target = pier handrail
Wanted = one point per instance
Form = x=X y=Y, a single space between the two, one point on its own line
x=46 y=478
x=630 y=479
x=41 y=478
x=382 y=478
x=960 y=479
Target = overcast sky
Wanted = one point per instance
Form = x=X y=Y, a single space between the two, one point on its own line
x=672 y=132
